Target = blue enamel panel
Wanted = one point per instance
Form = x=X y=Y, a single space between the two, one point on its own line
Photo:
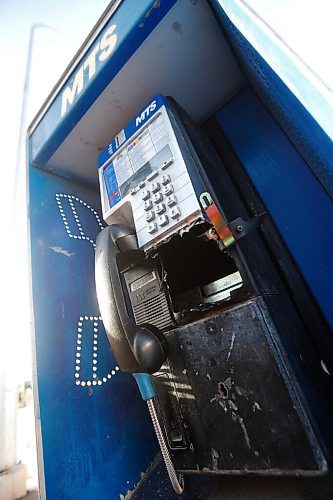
x=307 y=136
x=96 y=433
x=133 y=22
x=295 y=199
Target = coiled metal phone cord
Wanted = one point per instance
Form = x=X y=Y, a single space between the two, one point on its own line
x=177 y=483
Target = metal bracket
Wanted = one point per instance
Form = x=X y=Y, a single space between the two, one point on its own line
x=230 y=232
x=216 y=219
x=240 y=227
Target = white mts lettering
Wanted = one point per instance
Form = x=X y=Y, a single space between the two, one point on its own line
x=145 y=113
x=90 y=62
x=140 y=118
x=70 y=93
x=105 y=48
x=107 y=43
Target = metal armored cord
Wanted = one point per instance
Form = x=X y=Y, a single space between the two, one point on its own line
x=177 y=483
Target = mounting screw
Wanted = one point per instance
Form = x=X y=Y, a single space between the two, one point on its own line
x=212 y=233
x=239 y=229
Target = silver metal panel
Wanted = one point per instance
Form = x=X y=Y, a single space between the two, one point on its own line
x=186 y=56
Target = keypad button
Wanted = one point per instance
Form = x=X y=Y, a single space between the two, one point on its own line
x=166 y=164
x=166 y=178
x=160 y=208
x=145 y=194
x=157 y=197
x=141 y=184
x=171 y=200
x=152 y=227
x=149 y=216
x=147 y=205
x=163 y=220
x=175 y=212
x=154 y=186
x=168 y=189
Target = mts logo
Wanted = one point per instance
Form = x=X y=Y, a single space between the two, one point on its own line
x=145 y=113
x=98 y=54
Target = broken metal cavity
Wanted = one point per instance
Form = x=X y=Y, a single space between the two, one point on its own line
x=187 y=228
x=220 y=290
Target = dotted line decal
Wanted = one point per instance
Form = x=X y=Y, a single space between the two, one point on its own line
x=73 y=201
x=84 y=331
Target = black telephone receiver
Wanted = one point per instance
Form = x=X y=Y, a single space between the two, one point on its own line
x=137 y=348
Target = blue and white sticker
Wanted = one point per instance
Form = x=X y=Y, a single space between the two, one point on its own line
x=141 y=118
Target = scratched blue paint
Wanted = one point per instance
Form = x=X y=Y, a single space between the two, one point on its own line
x=97 y=439
x=291 y=182
x=295 y=199
x=135 y=21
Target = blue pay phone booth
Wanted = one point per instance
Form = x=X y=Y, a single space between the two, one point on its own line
x=223 y=186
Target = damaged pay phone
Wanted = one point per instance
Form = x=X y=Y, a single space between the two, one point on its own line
x=181 y=312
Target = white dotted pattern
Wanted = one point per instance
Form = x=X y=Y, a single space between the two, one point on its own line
x=95 y=320
x=73 y=200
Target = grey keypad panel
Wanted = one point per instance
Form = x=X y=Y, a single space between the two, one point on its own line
x=163 y=201
x=158 y=201
x=161 y=204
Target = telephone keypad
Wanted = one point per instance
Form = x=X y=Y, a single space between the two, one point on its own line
x=152 y=227
x=157 y=197
x=159 y=203
x=171 y=200
x=147 y=205
x=145 y=194
x=168 y=189
x=149 y=216
x=163 y=220
x=160 y=208
x=165 y=179
x=154 y=186
x=175 y=212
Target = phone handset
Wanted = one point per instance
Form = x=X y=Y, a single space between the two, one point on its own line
x=138 y=349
